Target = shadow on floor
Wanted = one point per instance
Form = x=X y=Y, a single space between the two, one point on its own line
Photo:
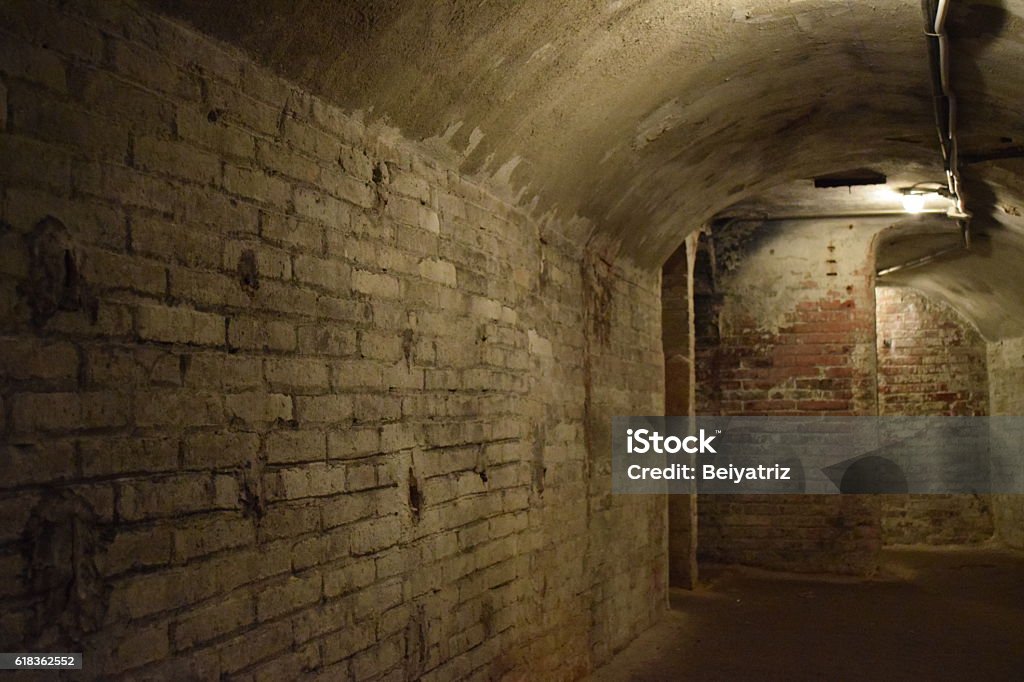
x=931 y=614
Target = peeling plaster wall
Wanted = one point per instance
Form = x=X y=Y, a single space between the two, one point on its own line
x=795 y=336
x=795 y=318
x=282 y=394
x=931 y=362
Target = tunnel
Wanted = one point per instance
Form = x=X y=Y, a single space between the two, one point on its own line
x=317 y=320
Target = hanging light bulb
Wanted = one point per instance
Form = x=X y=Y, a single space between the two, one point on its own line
x=913 y=202
x=919 y=194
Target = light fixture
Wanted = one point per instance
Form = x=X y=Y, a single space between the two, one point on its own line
x=917 y=195
x=913 y=202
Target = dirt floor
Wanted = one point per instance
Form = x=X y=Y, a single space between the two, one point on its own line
x=930 y=614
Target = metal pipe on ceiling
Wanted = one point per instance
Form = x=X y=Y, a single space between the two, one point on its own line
x=945 y=104
x=936 y=12
x=881 y=213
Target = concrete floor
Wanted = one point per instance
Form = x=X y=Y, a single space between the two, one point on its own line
x=931 y=614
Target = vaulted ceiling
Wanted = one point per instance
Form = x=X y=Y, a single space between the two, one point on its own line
x=647 y=118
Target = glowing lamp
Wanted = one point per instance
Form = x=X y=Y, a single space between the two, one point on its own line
x=913 y=202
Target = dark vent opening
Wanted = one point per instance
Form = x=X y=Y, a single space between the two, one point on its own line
x=850 y=178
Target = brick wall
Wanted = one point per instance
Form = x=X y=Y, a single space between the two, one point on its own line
x=931 y=362
x=675 y=329
x=789 y=331
x=616 y=573
x=675 y=301
x=1006 y=396
x=280 y=394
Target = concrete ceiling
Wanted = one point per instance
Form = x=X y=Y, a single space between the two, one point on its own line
x=646 y=118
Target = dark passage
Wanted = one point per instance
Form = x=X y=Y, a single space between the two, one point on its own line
x=931 y=614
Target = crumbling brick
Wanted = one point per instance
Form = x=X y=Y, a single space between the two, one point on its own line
x=288 y=355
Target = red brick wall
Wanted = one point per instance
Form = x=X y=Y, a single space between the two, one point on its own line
x=789 y=331
x=807 y=367
x=931 y=362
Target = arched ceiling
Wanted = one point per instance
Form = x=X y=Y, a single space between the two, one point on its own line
x=649 y=117
x=984 y=282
